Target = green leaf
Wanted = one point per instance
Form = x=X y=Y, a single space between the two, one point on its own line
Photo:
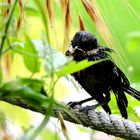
x=30 y=90
x=35 y=84
x=31 y=11
x=32 y=63
x=73 y=67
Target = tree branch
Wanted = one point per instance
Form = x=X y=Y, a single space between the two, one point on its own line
x=101 y=121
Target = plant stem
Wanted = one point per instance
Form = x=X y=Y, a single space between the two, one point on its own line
x=44 y=122
x=7 y=25
x=40 y=128
x=44 y=18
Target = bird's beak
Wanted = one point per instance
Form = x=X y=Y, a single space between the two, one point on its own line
x=70 y=51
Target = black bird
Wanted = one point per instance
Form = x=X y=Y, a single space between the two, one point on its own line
x=101 y=78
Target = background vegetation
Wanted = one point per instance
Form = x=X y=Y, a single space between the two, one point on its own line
x=34 y=36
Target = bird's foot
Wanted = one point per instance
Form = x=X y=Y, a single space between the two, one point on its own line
x=73 y=104
x=86 y=109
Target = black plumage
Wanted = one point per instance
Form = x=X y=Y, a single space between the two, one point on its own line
x=102 y=78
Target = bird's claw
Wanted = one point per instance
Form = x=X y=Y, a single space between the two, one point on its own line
x=73 y=104
x=86 y=109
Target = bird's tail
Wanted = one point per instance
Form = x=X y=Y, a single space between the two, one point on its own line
x=133 y=92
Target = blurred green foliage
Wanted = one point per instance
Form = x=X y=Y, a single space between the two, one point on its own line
x=32 y=49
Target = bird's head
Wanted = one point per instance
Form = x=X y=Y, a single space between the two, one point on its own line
x=81 y=44
x=84 y=45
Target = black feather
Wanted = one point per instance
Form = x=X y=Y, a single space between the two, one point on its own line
x=133 y=92
x=122 y=103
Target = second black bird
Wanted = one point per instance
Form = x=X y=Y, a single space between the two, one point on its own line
x=101 y=79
